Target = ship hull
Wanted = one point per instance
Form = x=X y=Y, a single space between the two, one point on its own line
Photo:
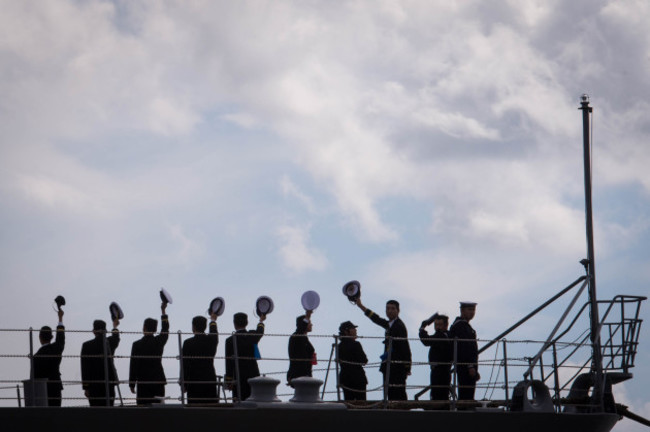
x=291 y=419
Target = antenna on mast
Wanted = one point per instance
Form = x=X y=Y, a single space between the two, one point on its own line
x=590 y=262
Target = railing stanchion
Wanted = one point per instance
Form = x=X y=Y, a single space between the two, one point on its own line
x=387 y=373
x=338 y=370
x=505 y=372
x=181 y=379
x=556 y=379
x=18 y=395
x=455 y=384
x=237 y=381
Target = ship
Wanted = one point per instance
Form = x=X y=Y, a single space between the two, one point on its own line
x=566 y=384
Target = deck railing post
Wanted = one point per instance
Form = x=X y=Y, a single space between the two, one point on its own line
x=18 y=395
x=181 y=380
x=556 y=379
x=237 y=381
x=387 y=374
x=505 y=372
x=455 y=384
x=338 y=370
x=106 y=386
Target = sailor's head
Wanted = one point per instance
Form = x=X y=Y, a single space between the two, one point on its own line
x=440 y=322
x=303 y=324
x=240 y=320
x=45 y=335
x=199 y=324
x=150 y=326
x=99 y=327
x=348 y=329
x=392 y=309
x=467 y=310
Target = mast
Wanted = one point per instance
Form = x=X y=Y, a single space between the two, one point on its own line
x=590 y=266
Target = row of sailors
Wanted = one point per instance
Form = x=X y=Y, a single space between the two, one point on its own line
x=147 y=377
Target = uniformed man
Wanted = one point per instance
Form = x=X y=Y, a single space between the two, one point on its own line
x=440 y=355
x=241 y=362
x=400 y=355
x=47 y=360
x=466 y=351
x=302 y=355
x=199 y=376
x=352 y=358
x=146 y=371
x=96 y=357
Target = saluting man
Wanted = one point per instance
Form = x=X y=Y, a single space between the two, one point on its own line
x=47 y=360
x=146 y=371
x=466 y=351
x=246 y=362
x=440 y=355
x=400 y=356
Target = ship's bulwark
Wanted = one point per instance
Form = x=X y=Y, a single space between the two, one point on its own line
x=298 y=420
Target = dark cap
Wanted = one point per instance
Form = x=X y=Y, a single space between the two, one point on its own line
x=116 y=311
x=465 y=304
x=345 y=326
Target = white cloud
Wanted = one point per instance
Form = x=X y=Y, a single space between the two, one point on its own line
x=296 y=253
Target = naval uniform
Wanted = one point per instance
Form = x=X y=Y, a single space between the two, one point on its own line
x=466 y=357
x=400 y=356
x=199 y=375
x=146 y=370
x=246 y=365
x=440 y=358
x=93 y=354
x=301 y=355
x=352 y=377
x=46 y=365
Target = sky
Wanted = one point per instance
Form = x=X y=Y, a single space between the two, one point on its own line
x=431 y=150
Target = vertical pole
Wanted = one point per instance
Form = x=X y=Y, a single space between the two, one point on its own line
x=387 y=374
x=105 y=368
x=31 y=366
x=596 y=358
x=505 y=372
x=338 y=371
x=329 y=365
x=181 y=380
x=455 y=366
x=556 y=378
x=237 y=383
x=18 y=395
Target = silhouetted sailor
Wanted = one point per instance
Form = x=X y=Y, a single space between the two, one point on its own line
x=466 y=351
x=400 y=356
x=199 y=375
x=242 y=360
x=440 y=355
x=47 y=360
x=301 y=352
x=352 y=358
x=146 y=371
x=96 y=358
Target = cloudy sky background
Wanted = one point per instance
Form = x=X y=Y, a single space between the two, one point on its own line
x=430 y=149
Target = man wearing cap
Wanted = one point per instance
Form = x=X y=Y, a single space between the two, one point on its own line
x=396 y=349
x=302 y=355
x=466 y=351
x=146 y=370
x=440 y=355
x=47 y=360
x=352 y=358
x=199 y=376
x=241 y=358
x=96 y=358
